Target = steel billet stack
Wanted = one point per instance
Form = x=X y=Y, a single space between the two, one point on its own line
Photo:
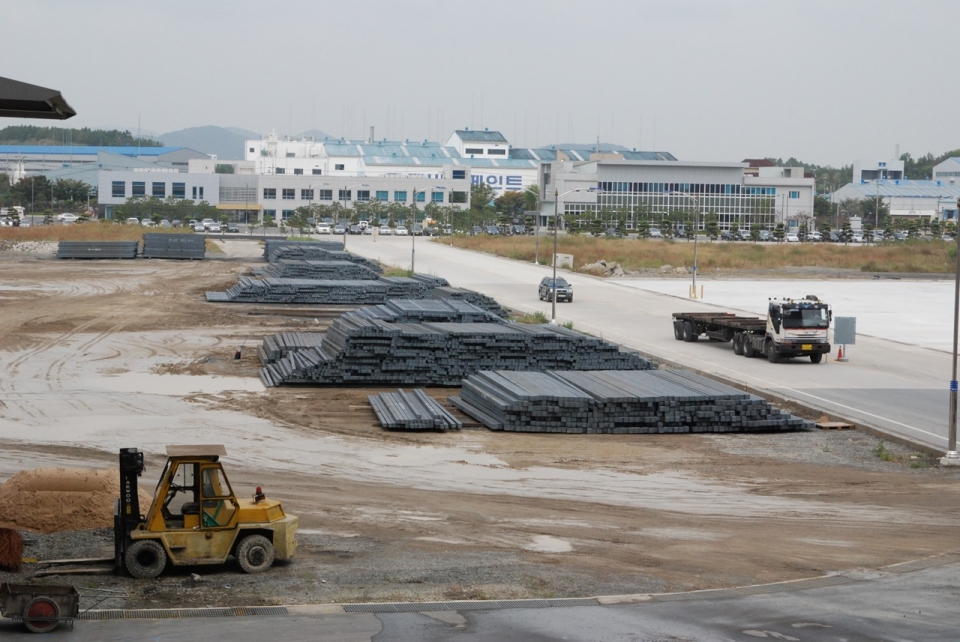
x=97 y=249
x=279 y=345
x=358 y=350
x=312 y=253
x=302 y=291
x=270 y=246
x=321 y=270
x=480 y=300
x=618 y=402
x=174 y=246
x=412 y=411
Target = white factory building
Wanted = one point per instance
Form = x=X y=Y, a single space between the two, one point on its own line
x=738 y=194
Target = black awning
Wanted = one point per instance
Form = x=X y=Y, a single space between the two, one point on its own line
x=22 y=100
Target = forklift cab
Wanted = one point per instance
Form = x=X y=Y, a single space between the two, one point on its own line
x=193 y=494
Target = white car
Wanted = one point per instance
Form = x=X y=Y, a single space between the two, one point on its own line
x=207 y=222
x=67 y=217
x=146 y=222
x=323 y=228
x=858 y=238
x=385 y=230
x=815 y=237
x=133 y=221
x=213 y=227
x=401 y=231
x=792 y=238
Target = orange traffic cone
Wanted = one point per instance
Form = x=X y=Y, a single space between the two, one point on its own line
x=840 y=356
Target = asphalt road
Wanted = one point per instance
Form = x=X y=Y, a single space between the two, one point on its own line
x=895 y=387
x=867 y=605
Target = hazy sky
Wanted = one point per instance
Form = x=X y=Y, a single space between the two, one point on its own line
x=824 y=81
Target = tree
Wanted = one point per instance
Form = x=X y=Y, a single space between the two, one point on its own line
x=778 y=232
x=531 y=198
x=481 y=195
x=913 y=229
x=596 y=226
x=868 y=232
x=712 y=226
x=643 y=229
x=825 y=230
x=846 y=232
x=935 y=228
x=802 y=232
x=223 y=168
x=755 y=232
x=511 y=204
x=34 y=135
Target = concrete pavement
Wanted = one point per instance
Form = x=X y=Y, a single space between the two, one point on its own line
x=894 y=387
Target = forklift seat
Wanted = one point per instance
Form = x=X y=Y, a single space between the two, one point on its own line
x=190 y=508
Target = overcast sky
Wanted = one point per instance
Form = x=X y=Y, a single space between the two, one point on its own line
x=824 y=81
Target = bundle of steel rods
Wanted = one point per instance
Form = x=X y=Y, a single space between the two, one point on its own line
x=320 y=270
x=617 y=402
x=480 y=300
x=173 y=246
x=97 y=249
x=270 y=246
x=272 y=290
x=412 y=411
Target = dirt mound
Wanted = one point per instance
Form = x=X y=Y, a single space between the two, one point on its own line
x=49 y=500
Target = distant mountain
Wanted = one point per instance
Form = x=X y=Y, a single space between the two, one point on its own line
x=246 y=133
x=226 y=143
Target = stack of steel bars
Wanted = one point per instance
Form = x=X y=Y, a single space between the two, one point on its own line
x=270 y=246
x=412 y=411
x=173 y=246
x=97 y=249
x=320 y=270
x=619 y=402
x=481 y=300
x=272 y=290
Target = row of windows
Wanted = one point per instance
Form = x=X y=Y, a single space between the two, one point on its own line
x=399 y=196
x=584 y=214
x=298 y=171
x=478 y=151
x=689 y=188
x=139 y=188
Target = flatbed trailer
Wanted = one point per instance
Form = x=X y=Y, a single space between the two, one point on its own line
x=755 y=336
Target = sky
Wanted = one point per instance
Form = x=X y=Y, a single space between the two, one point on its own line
x=824 y=81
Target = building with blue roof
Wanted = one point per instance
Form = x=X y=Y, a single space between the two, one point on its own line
x=26 y=160
x=932 y=199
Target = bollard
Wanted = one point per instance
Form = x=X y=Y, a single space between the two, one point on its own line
x=236 y=355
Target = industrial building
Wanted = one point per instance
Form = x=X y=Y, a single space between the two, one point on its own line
x=931 y=199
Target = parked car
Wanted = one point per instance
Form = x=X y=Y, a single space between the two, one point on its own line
x=146 y=223
x=165 y=224
x=492 y=230
x=213 y=227
x=727 y=235
x=339 y=229
x=233 y=228
x=834 y=237
x=323 y=228
x=655 y=233
x=612 y=233
x=176 y=223
x=564 y=289
x=401 y=231
x=207 y=222
x=901 y=236
x=67 y=217
x=744 y=235
x=447 y=229
x=369 y=229
x=133 y=221
x=767 y=235
x=519 y=229
x=858 y=237
x=355 y=229
x=385 y=230
x=814 y=236
x=418 y=230
x=792 y=237
x=475 y=230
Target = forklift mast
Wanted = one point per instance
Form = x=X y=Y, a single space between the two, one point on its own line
x=127 y=515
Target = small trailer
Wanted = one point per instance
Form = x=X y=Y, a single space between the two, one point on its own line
x=39 y=607
x=793 y=328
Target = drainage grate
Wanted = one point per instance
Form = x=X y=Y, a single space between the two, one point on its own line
x=492 y=605
x=166 y=614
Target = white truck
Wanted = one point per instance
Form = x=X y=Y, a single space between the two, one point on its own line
x=793 y=328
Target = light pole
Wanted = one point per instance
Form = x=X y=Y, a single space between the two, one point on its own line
x=346 y=195
x=952 y=458
x=556 y=226
x=413 y=228
x=696 y=223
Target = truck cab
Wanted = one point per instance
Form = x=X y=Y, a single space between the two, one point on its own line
x=797 y=328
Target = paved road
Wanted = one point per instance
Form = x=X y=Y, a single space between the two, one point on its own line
x=919 y=605
x=894 y=387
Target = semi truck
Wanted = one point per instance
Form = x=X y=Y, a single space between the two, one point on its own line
x=793 y=328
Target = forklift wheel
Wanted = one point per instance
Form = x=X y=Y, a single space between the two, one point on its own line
x=145 y=559
x=255 y=554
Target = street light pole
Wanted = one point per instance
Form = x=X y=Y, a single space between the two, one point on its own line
x=952 y=458
x=413 y=235
x=556 y=226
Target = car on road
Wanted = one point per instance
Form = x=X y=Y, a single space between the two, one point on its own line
x=339 y=229
x=564 y=289
x=792 y=237
x=67 y=217
x=385 y=230
x=233 y=228
x=655 y=233
x=401 y=231
x=323 y=228
x=355 y=229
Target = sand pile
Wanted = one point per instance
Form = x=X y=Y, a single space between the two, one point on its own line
x=49 y=500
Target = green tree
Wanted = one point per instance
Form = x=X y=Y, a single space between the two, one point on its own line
x=913 y=229
x=34 y=135
x=531 y=198
x=868 y=232
x=596 y=226
x=803 y=231
x=779 y=233
x=935 y=228
x=643 y=228
x=481 y=196
x=825 y=230
x=755 y=232
x=511 y=204
x=223 y=168
x=712 y=226
x=846 y=232
x=299 y=219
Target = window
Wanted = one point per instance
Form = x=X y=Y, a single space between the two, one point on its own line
x=252 y=150
x=179 y=190
x=326 y=195
x=338 y=166
x=306 y=194
x=363 y=195
x=298 y=171
x=794 y=194
x=458 y=197
x=497 y=152
x=317 y=172
x=459 y=173
x=269 y=212
x=194 y=192
x=436 y=197
x=400 y=197
x=289 y=194
x=473 y=150
x=280 y=170
x=160 y=190
x=286 y=214
x=421 y=197
x=383 y=195
x=138 y=188
x=269 y=193
x=119 y=189
x=344 y=195
x=200 y=189
x=291 y=154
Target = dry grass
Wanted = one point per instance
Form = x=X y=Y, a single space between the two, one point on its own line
x=91 y=231
x=918 y=256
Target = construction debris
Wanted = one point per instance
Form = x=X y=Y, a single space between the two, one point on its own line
x=617 y=402
x=174 y=246
x=412 y=411
x=97 y=249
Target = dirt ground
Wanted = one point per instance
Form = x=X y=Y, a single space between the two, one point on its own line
x=96 y=355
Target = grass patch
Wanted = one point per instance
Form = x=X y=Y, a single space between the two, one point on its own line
x=914 y=256
x=91 y=231
x=393 y=270
x=882 y=453
x=536 y=317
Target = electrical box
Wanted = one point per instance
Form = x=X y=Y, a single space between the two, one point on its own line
x=845 y=330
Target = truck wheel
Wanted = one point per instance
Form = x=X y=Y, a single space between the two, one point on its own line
x=771 y=351
x=816 y=358
x=145 y=559
x=688 y=334
x=738 y=344
x=748 y=350
x=255 y=554
x=678 y=330
x=41 y=615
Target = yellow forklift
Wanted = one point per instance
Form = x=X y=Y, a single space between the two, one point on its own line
x=195 y=518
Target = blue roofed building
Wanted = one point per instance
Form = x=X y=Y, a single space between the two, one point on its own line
x=932 y=199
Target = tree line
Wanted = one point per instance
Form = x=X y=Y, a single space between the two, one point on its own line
x=34 y=135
